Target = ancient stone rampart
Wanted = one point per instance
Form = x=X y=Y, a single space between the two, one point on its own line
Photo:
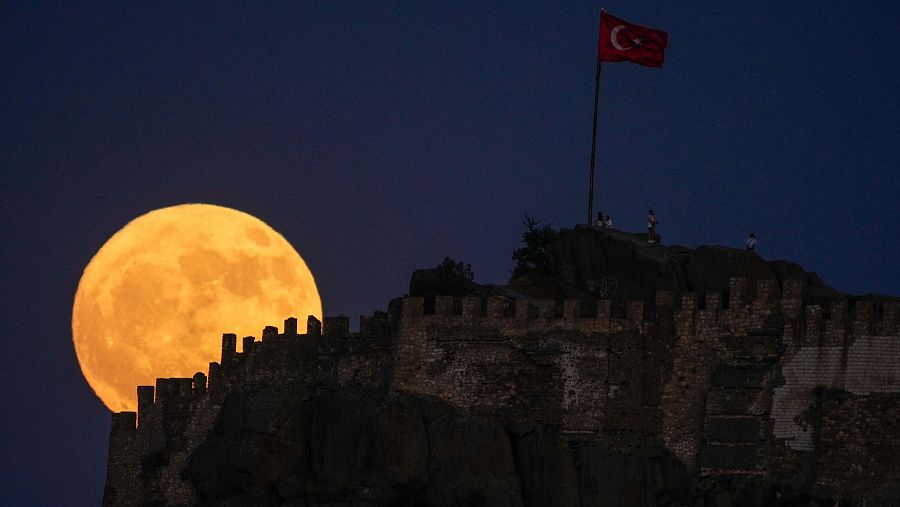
x=149 y=450
x=731 y=383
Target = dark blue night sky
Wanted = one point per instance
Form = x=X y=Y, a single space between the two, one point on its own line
x=380 y=137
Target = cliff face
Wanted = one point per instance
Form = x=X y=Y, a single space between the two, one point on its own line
x=677 y=376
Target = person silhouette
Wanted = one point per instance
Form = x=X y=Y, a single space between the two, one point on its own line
x=651 y=227
x=751 y=243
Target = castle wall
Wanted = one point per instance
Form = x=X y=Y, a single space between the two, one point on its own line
x=123 y=462
x=363 y=359
x=147 y=461
x=727 y=382
x=579 y=372
x=725 y=363
x=695 y=355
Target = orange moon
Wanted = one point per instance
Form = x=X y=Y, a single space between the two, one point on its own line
x=156 y=298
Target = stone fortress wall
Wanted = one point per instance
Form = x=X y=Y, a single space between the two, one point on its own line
x=750 y=382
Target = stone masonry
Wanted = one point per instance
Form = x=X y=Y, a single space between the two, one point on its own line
x=751 y=383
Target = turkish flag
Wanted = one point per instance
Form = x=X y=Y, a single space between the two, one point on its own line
x=621 y=41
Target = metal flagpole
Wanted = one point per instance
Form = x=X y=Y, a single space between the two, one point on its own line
x=594 y=144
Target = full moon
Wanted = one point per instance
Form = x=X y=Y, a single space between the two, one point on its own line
x=156 y=298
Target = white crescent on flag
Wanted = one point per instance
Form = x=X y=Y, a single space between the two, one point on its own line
x=613 y=38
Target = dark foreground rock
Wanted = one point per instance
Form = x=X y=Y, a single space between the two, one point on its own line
x=368 y=448
x=371 y=448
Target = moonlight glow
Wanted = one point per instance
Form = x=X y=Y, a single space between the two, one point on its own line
x=156 y=298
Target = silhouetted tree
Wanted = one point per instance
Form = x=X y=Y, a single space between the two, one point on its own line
x=450 y=267
x=532 y=256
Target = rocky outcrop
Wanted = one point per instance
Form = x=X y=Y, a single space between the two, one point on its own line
x=373 y=448
x=622 y=266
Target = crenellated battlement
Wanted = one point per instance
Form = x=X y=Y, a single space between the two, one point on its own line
x=523 y=315
x=182 y=395
x=842 y=319
x=736 y=311
x=710 y=311
x=517 y=316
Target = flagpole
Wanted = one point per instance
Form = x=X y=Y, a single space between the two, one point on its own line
x=594 y=143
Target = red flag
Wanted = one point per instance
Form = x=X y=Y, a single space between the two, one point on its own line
x=621 y=41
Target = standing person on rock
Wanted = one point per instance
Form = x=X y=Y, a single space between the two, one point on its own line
x=651 y=227
x=751 y=243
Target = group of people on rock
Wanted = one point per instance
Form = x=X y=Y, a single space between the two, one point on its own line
x=606 y=222
x=603 y=220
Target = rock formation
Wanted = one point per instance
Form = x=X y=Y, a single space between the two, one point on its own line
x=660 y=376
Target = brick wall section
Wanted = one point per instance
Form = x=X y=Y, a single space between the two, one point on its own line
x=837 y=354
x=735 y=436
x=584 y=370
x=123 y=464
x=694 y=357
x=859 y=447
x=583 y=373
x=471 y=365
x=364 y=363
